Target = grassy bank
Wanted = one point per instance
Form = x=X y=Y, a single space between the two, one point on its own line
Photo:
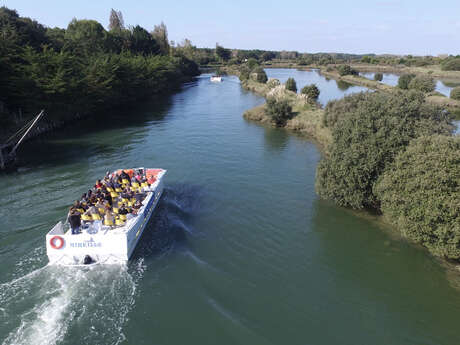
x=307 y=119
x=373 y=165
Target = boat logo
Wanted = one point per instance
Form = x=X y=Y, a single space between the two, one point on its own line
x=91 y=243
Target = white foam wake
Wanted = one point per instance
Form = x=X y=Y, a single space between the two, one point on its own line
x=52 y=303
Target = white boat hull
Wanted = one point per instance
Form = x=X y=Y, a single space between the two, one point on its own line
x=103 y=244
x=216 y=79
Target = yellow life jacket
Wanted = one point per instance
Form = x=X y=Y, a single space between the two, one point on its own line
x=96 y=216
x=114 y=195
x=108 y=222
x=119 y=222
x=118 y=190
x=135 y=184
x=125 y=181
x=86 y=217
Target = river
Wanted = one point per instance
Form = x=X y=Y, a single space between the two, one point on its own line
x=240 y=251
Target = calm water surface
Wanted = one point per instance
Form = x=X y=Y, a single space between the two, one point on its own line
x=442 y=86
x=241 y=250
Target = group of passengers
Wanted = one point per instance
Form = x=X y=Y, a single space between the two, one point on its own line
x=113 y=200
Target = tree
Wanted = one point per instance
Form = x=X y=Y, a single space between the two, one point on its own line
x=279 y=111
x=260 y=75
x=291 y=85
x=346 y=70
x=142 y=42
x=311 y=91
x=422 y=83
x=404 y=80
x=87 y=36
x=223 y=53
x=366 y=139
x=160 y=34
x=420 y=193
x=378 y=76
x=116 y=21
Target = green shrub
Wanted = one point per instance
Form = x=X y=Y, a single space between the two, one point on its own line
x=404 y=80
x=329 y=69
x=311 y=91
x=244 y=73
x=366 y=138
x=378 y=76
x=279 y=111
x=252 y=63
x=346 y=70
x=422 y=83
x=451 y=65
x=291 y=85
x=336 y=109
x=421 y=193
x=455 y=93
x=261 y=76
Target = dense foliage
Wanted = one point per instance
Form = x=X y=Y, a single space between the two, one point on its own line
x=455 y=93
x=378 y=76
x=291 y=85
x=279 y=111
x=369 y=130
x=452 y=64
x=346 y=70
x=259 y=75
x=420 y=193
x=80 y=69
x=311 y=91
x=404 y=81
x=422 y=83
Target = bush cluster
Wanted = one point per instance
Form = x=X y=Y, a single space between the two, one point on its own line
x=367 y=136
x=420 y=193
x=291 y=85
x=346 y=70
x=455 y=93
x=279 y=111
x=378 y=76
x=311 y=91
x=422 y=83
x=404 y=81
x=260 y=75
x=451 y=65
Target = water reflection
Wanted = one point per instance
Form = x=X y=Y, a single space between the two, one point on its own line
x=275 y=140
x=343 y=85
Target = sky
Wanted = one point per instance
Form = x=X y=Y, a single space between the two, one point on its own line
x=355 y=26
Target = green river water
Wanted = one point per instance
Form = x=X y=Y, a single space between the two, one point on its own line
x=240 y=250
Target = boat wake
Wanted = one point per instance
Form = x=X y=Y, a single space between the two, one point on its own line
x=88 y=305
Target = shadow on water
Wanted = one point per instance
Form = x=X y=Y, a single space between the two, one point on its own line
x=372 y=266
x=73 y=143
x=275 y=139
x=342 y=85
x=172 y=222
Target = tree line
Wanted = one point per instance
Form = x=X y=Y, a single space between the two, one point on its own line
x=81 y=69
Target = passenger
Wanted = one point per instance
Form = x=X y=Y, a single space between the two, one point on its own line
x=109 y=219
x=123 y=210
x=109 y=199
x=74 y=220
x=98 y=184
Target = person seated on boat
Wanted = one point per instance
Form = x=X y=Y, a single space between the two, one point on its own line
x=108 y=198
x=137 y=205
x=109 y=218
x=74 y=219
x=123 y=210
x=140 y=196
x=98 y=184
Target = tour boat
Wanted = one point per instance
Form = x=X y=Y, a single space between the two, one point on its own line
x=216 y=78
x=99 y=243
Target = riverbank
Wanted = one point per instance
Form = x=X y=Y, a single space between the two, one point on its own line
x=308 y=118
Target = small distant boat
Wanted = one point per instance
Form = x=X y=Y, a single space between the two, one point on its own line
x=216 y=78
